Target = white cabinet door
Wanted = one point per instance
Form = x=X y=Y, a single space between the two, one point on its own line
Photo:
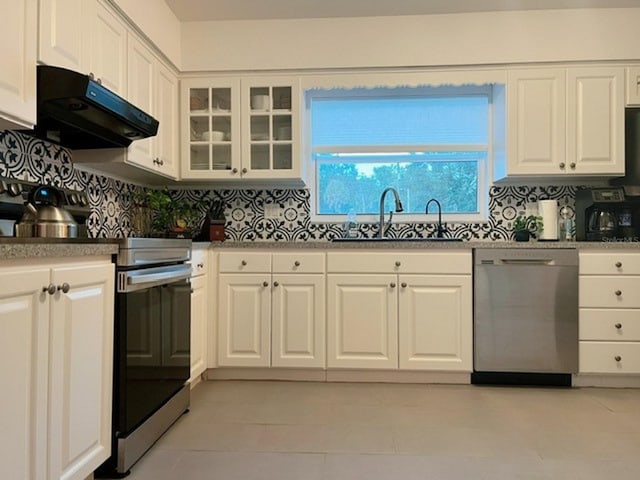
x=298 y=321
x=198 y=326
x=166 y=150
x=24 y=351
x=18 y=37
x=64 y=29
x=108 y=58
x=80 y=368
x=536 y=121
x=633 y=86
x=362 y=327
x=595 y=112
x=140 y=92
x=244 y=316
x=435 y=323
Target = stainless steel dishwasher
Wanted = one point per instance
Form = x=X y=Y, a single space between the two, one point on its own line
x=526 y=311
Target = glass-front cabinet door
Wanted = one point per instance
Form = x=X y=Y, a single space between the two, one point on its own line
x=211 y=128
x=270 y=139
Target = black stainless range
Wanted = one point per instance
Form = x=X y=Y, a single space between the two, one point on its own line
x=152 y=346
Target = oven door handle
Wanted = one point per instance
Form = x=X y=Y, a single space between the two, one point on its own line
x=151 y=277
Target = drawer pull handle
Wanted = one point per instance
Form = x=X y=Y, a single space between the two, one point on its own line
x=50 y=289
x=296 y=263
x=398 y=264
x=265 y=284
x=618 y=293
x=618 y=326
x=392 y=285
x=243 y=263
x=403 y=285
x=617 y=358
x=275 y=284
x=618 y=264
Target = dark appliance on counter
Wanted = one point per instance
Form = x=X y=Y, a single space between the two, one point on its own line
x=77 y=112
x=607 y=214
x=525 y=321
x=59 y=208
x=152 y=346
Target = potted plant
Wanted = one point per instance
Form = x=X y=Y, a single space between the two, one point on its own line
x=525 y=227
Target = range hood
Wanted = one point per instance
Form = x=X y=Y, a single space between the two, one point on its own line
x=631 y=179
x=78 y=113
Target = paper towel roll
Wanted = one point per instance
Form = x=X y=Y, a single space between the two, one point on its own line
x=548 y=210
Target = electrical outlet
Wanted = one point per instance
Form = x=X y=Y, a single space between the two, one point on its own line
x=271 y=210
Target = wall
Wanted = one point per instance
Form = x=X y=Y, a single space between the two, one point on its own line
x=426 y=40
x=30 y=159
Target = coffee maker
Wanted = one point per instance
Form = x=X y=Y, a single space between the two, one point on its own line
x=607 y=214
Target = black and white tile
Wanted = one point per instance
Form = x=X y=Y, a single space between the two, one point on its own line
x=34 y=160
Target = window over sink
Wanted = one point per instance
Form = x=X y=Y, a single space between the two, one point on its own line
x=427 y=142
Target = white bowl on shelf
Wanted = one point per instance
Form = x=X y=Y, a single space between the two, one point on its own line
x=213 y=135
x=260 y=102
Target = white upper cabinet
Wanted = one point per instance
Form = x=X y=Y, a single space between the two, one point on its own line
x=537 y=116
x=595 y=126
x=633 y=86
x=165 y=109
x=18 y=38
x=565 y=122
x=241 y=128
x=108 y=59
x=65 y=26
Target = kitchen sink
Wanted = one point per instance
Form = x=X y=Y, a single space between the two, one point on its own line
x=386 y=239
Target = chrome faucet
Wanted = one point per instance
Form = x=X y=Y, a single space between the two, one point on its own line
x=383 y=227
x=441 y=228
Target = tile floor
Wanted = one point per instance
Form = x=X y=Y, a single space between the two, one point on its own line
x=299 y=430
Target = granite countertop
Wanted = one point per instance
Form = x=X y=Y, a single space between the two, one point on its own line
x=19 y=248
x=422 y=245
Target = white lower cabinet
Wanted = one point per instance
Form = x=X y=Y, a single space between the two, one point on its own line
x=362 y=327
x=199 y=312
x=271 y=309
x=57 y=360
x=400 y=310
x=609 y=312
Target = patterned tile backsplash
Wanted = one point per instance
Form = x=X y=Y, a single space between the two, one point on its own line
x=30 y=159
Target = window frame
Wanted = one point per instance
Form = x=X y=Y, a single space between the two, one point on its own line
x=484 y=167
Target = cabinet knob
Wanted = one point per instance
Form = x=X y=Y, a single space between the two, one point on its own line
x=617 y=358
x=392 y=284
x=265 y=284
x=50 y=289
x=275 y=284
x=618 y=264
x=201 y=265
x=618 y=326
x=160 y=162
x=296 y=263
x=572 y=165
x=403 y=285
x=99 y=81
x=398 y=264
x=91 y=76
x=244 y=170
x=561 y=165
x=234 y=170
x=243 y=263
x=65 y=287
x=618 y=293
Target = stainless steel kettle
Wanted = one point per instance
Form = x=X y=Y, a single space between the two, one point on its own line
x=45 y=217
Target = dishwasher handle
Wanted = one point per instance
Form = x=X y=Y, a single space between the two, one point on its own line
x=526 y=261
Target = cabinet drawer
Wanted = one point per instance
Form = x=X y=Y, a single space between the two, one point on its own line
x=447 y=263
x=245 y=262
x=609 y=292
x=610 y=324
x=303 y=262
x=601 y=357
x=199 y=261
x=609 y=263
